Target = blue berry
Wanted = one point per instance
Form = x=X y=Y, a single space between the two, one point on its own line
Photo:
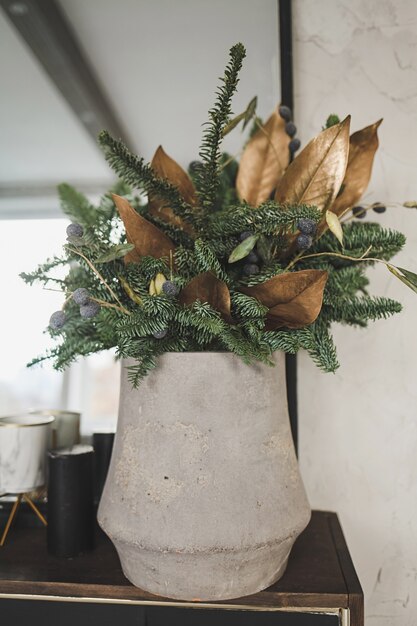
x=285 y=112
x=290 y=129
x=252 y=257
x=90 y=309
x=295 y=144
x=57 y=319
x=75 y=230
x=379 y=208
x=160 y=334
x=250 y=269
x=245 y=235
x=306 y=226
x=169 y=288
x=81 y=296
x=304 y=241
x=359 y=211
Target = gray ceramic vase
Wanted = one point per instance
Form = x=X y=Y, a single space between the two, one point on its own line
x=204 y=500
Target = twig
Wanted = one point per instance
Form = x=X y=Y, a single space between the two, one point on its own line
x=97 y=273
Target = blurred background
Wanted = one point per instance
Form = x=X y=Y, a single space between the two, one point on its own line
x=153 y=69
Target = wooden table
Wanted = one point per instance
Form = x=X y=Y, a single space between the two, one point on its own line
x=319 y=588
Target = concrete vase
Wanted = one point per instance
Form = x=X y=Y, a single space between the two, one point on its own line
x=204 y=500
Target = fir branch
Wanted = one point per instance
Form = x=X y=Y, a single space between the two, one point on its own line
x=135 y=172
x=207 y=178
x=354 y=309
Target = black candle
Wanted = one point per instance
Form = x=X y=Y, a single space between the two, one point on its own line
x=103 y=446
x=70 y=528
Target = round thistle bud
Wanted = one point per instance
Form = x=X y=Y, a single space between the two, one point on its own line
x=304 y=241
x=81 y=296
x=252 y=257
x=245 y=235
x=169 y=288
x=306 y=226
x=75 y=230
x=90 y=309
x=57 y=320
x=290 y=129
x=378 y=207
x=160 y=334
x=359 y=211
x=250 y=269
x=295 y=144
x=285 y=112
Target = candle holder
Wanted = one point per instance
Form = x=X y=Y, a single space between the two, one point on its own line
x=23 y=446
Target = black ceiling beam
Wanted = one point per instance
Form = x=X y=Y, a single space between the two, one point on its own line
x=46 y=30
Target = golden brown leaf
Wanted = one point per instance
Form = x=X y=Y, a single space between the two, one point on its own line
x=316 y=175
x=263 y=161
x=165 y=167
x=362 y=147
x=206 y=287
x=147 y=238
x=294 y=299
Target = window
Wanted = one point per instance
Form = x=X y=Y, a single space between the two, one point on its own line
x=90 y=386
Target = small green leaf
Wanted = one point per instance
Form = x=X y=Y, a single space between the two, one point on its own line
x=410 y=204
x=233 y=123
x=265 y=248
x=250 y=111
x=115 y=252
x=407 y=277
x=334 y=226
x=243 y=249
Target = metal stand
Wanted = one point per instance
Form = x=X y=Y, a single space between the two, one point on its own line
x=13 y=513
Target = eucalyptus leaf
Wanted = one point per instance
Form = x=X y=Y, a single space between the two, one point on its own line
x=243 y=249
x=265 y=248
x=115 y=252
x=410 y=204
x=233 y=123
x=407 y=277
x=250 y=111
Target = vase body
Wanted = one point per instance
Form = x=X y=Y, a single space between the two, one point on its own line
x=203 y=499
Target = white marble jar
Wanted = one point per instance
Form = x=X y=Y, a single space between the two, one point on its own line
x=23 y=446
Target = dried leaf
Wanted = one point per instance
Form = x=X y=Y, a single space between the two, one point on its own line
x=233 y=123
x=250 y=111
x=315 y=176
x=115 y=252
x=362 y=147
x=165 y=167
x=129 y=291
x=243 y=249
x=263 y=161
x=147 y=238
x=334 y=226
x=410 y=204
x=206 y=287
x=294 y=299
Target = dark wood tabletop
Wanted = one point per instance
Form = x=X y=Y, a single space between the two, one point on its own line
x=320 y=573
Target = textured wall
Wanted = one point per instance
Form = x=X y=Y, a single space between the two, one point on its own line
x=358 y=430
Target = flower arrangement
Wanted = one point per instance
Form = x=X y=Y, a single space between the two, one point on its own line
x=250 y=257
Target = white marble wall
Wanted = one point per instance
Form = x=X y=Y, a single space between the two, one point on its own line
x=358 y=430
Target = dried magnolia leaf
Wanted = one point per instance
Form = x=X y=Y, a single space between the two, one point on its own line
x=206 y=287
x=334 y=226
x=316 y=175
x=263 y=161
x=165 y=167
x=362 y=147
x=147 y=238
x=294 y=299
